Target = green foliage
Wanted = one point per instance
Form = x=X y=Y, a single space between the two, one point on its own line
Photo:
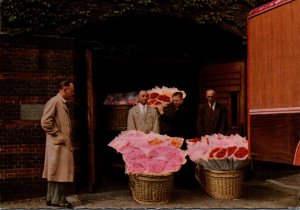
x=60 y=16
x=30 y=15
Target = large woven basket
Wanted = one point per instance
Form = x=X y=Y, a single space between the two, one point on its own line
x=220 y=184
x=116 y=116
x=151 y=189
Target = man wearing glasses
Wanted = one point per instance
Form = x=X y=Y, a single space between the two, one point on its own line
x=212 y=116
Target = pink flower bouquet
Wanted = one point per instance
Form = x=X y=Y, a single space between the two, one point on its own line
x=149 y=153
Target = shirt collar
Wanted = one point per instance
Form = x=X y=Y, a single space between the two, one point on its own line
x=62 y=98
x=212 y=105
x=141 y=105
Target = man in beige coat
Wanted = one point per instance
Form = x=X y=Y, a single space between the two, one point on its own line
x=59 y=163
x=143 y=117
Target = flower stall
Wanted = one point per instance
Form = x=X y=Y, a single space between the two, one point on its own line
x=220 y=161
x=151 y=160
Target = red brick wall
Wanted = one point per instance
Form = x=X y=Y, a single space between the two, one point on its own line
x=30 y=69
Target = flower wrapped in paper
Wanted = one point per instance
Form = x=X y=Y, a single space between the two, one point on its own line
x=149 y=153
x=219 y=152
x=162 y=96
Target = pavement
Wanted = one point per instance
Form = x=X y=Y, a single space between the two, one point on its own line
x=266 y=188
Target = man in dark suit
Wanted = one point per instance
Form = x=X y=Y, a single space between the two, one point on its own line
x=212 y=116
x=179 y=118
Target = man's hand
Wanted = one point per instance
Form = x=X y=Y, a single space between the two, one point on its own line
x=160 y=109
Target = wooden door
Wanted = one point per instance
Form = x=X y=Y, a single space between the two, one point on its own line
x=228 y=79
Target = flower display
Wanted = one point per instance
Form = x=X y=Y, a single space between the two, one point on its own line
x=149 y=153
x=120 y=98
x=219 y=152
x=162 y=96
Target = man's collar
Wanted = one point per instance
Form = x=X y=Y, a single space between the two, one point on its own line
x=62 y=98
x=213 y=104
x=141 y=105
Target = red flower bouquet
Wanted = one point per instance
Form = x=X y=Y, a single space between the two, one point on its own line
x=219 y=152
x=162 y=96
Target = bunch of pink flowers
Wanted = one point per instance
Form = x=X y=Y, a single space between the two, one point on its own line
x=149 y=153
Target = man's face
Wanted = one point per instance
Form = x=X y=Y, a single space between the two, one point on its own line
x=211 y=96
x=177 y=100
x=143 y=97
x=68 y=91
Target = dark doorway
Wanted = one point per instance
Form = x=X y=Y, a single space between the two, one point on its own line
x=147 y=51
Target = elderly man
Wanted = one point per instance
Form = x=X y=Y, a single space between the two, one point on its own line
x=59 y=163
x=212 y=116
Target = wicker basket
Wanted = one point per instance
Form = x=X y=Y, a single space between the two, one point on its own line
x=151 y=189
x=116 y=116
x=220 y=184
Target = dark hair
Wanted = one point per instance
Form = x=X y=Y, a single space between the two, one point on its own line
x=180 y=94
x=142 y=89
x=65 y=83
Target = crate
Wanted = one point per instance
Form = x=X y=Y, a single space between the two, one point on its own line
x=151 y=189
x=116 y=116
x=220 y=184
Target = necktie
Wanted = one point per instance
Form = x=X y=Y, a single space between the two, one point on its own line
x=143 y=110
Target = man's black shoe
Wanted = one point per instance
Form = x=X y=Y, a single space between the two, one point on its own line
x=48 y=203
x=66 y=205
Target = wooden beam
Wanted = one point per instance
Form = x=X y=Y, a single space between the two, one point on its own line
x=91 y=118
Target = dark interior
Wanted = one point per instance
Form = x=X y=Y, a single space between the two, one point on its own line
x=147 y=51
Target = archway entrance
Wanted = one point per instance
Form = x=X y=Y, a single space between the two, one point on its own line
x=158 y=51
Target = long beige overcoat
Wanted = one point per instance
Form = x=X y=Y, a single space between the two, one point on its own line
x=59 y=162
x=146 y=123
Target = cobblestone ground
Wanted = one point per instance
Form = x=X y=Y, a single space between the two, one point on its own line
x=260 y=191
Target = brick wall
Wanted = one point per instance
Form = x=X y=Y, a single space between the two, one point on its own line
x=30 y=70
